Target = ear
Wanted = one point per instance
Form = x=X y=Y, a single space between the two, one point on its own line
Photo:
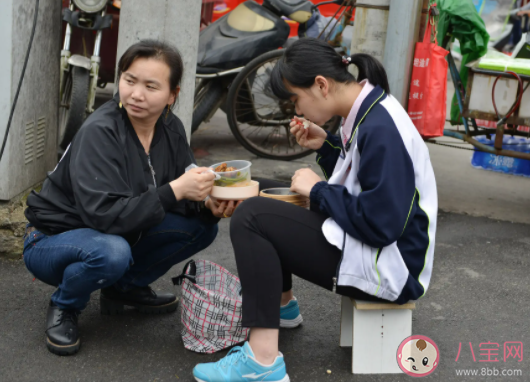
x=323 y=85
x=173 y=96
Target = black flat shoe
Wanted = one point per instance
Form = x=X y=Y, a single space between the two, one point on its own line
x=144 y=299
x=62 y=335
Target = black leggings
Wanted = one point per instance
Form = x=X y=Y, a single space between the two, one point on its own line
x=273 y=240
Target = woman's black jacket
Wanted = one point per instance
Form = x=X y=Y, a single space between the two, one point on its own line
x=104 y=180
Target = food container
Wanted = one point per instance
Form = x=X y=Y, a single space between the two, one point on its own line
x=237 y=178
x=286 y=195
x=235 y=193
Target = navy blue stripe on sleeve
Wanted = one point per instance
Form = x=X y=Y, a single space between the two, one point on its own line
x=328 y=154
x=378 y=215
x=413 y=245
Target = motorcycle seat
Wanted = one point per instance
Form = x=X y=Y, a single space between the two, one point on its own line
x=297 y=10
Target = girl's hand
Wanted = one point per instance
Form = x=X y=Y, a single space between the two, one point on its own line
x=196 y=184
x=222 y=208
x=312 y=138
x=304 y=180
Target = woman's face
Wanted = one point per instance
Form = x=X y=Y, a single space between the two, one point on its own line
x=313 y=103
x=144 y=88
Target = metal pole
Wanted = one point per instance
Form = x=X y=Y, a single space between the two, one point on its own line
x=369 y=29
x=173 y=21
x=402 y=34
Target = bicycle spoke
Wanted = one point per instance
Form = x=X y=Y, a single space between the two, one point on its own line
x=258 y=130
x=261 y=107
x=260 y=118
x=288 y=137
x=272 y=141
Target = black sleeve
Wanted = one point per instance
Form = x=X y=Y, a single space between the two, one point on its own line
x=200 y=209
x=103 y=197
x=188 y=207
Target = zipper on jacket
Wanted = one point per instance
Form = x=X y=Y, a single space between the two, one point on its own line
x=336 y=278
x=347 y=148
x=137 y=240
x=151 y=168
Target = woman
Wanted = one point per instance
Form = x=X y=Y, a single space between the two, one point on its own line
x=370 y=231
x=520 y=23
x=119 y=210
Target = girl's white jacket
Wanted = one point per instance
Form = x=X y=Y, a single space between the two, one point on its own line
x=382 y=202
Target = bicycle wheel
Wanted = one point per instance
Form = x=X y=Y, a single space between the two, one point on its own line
x=258 y=119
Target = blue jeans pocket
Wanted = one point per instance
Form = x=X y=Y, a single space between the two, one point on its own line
x=32 y=239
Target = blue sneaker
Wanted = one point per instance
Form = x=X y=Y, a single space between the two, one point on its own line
x=290 y=316
x=239 y=365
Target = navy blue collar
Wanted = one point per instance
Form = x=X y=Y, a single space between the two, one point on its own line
x=376 y=96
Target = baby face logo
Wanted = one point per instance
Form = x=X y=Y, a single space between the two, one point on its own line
x=418 y=356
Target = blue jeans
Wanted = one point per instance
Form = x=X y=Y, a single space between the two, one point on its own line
x=81 y=261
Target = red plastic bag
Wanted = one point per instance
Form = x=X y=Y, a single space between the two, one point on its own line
x=428 y=88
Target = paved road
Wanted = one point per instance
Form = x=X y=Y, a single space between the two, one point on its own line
x=479 y=293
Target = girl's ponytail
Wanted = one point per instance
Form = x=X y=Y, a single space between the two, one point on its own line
x=371 y=69
x=309 y=57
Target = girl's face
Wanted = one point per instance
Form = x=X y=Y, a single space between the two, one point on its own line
x=144 y=89
x=314 y=103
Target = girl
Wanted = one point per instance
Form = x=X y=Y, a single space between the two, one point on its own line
x=370 y=231
x=119 y=210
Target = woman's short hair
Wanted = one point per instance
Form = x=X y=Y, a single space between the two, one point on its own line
x=158 y=50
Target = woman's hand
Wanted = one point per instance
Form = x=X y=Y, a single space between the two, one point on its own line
x=312 y=138
x=304 y=180
x=196 y=184
x=522 y=13
x=222 y=208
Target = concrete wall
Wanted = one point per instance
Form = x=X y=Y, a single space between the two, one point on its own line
x=174 y=21
x=31 y=147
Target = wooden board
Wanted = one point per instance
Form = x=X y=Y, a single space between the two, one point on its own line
x=372 y=305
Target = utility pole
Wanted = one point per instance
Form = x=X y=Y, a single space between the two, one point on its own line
x=370 y=27
x=174 y=21
x=401 y=37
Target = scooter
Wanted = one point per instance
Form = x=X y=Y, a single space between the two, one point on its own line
x=80 y=74
x=235 y=57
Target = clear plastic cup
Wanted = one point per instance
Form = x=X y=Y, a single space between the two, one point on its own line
x=240 y=177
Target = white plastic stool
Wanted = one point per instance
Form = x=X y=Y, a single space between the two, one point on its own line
x=374 y=330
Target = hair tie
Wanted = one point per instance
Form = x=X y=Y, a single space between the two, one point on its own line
x=346 y=60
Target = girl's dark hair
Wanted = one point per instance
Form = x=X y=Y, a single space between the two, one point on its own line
x=158 y=50
x=311 y=57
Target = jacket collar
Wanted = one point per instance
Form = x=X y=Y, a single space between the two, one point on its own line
x=159 y=125
x=376 y=96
